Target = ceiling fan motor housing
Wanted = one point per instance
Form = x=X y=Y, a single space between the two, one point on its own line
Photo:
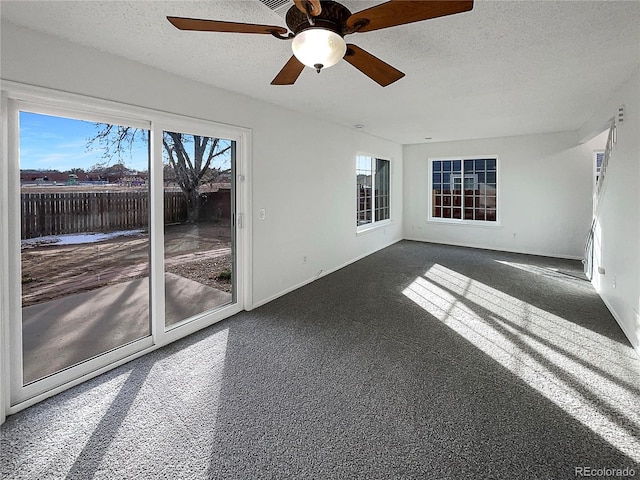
x=332 y=17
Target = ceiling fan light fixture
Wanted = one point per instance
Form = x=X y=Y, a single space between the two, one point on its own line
x=318 y=48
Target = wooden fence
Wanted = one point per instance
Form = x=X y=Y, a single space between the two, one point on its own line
x=83 y=212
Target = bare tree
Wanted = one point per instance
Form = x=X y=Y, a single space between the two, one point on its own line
x=189 y=157
x=191 y=171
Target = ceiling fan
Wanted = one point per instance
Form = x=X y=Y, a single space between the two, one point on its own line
x=317 y=30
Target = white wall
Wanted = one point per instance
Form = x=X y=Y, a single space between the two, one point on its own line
x=617 y=237
x=544 y=194
x=303 y=169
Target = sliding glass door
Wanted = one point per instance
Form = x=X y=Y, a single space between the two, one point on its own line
x=199 y=233
x=123 y=236
x=84 y=242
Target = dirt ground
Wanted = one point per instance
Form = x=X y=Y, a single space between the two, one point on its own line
x=200 y=252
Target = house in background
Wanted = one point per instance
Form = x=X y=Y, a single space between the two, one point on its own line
x=51 y=177
x=536 y=86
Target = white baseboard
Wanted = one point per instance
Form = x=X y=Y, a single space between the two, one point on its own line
x=322 y=274
x=496 y=249
x=327 y=272
x=633 y=340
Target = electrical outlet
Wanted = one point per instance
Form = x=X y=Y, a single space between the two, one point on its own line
x=304 y=259
x=262 y=214
x=615 y=283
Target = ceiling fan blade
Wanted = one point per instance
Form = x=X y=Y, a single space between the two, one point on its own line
x=289 y=73
x=218 y=26
x=401 y=12
x=313 y=5
x=374 y=68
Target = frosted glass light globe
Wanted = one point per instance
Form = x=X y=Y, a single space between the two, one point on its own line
x=318 y=47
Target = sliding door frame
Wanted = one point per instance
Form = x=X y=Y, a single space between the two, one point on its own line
x=13 y=395
x=162 y=333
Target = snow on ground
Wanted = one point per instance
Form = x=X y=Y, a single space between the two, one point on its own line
x=76 y=239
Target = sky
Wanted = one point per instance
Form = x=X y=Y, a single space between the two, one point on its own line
x=57 y=143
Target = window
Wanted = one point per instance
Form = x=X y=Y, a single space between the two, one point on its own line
x=464 y=189
x=598 y=157
x=372 y=190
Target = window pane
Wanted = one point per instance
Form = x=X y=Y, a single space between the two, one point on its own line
x=491 y=164
x=457 y=166
x=85 y=241
x=491 y=215
x=199 y=204
x=457 y=184
x=364 y=185
x=469 y=182
x=446 y=165
x=383 y=168
x=479 y=165
x=437 y=166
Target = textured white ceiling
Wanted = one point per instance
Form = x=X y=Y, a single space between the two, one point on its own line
x=504 y=68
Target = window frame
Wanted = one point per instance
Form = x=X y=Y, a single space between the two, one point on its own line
x=16 y=97
x=374 y=224
x=465 y=175
x=597 y=169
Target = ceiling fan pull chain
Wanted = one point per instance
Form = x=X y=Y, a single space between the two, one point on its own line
x=310 y=19
x=312 y=8
x=308 y=7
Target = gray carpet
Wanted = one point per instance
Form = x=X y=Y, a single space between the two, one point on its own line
x=420 y=361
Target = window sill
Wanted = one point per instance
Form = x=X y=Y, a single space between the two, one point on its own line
x=465 y=223
x=372 y=227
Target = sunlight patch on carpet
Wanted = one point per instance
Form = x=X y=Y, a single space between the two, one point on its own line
x=557 y=358
x=175 y=411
